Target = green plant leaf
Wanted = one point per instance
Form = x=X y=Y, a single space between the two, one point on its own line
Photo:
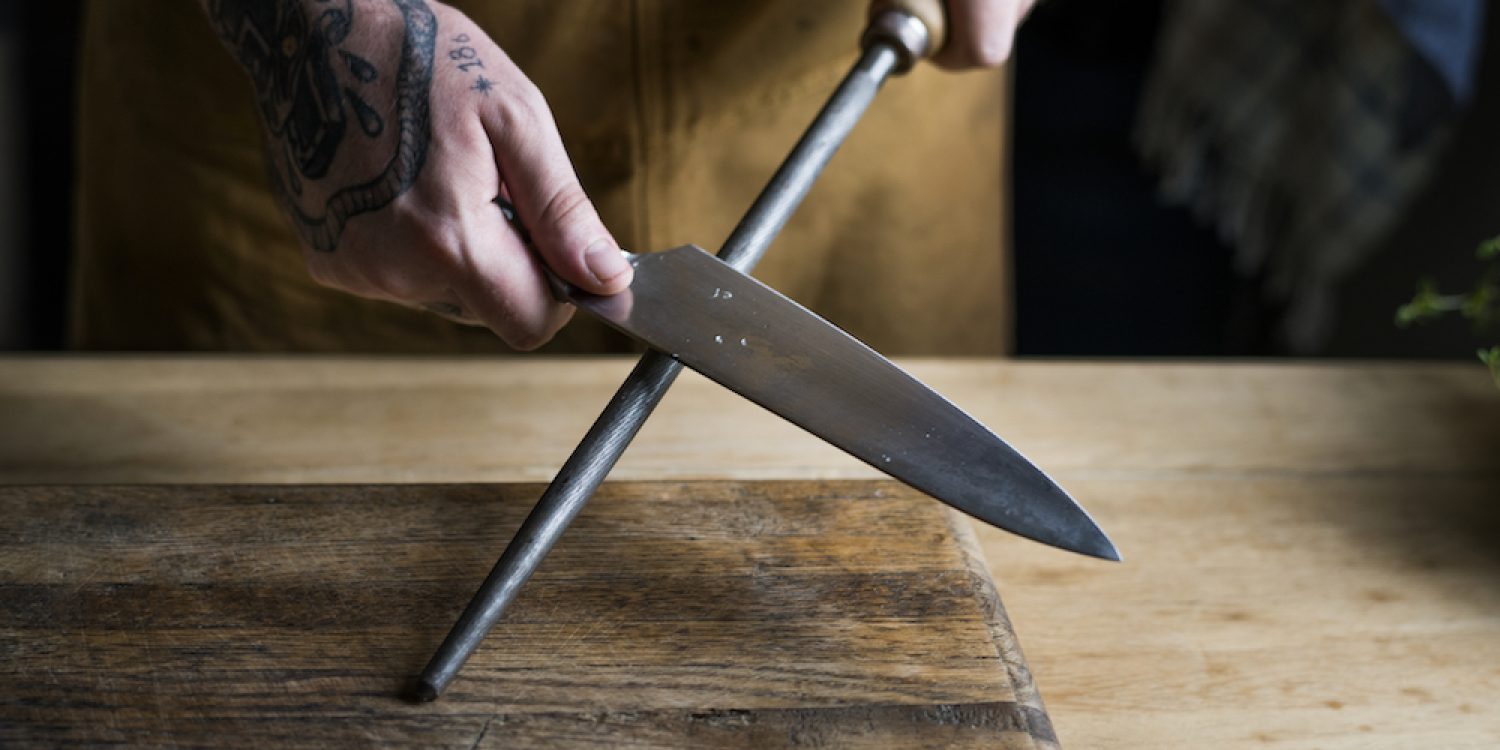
x=1489 y=249
x=1420 y=307
x=1480 y=306
x=1428 y=304
x=1491 y=358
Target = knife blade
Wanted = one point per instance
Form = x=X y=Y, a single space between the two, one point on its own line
x=760 y=344
x=898 y=34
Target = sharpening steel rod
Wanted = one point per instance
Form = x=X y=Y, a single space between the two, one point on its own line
x=895 y=39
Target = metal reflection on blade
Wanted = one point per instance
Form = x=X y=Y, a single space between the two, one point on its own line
x=762 y=345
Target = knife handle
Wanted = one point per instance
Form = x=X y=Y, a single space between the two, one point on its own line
x=916 y=28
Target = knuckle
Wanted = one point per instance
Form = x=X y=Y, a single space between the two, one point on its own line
x=531 y=98
x=532 y=335
x=524 y=108
x=566 y=204
x=526 y=338
x=527 y=341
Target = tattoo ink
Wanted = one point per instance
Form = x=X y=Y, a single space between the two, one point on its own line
x=369 y=119
x=466 y=59
x=359 y=67
x=311 y=78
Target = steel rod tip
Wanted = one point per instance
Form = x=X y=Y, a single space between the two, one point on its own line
x=421 y=691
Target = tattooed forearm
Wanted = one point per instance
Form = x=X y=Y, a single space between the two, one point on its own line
x=466 y=59
x=330 y=79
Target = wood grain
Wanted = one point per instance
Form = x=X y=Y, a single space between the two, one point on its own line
x=363 y=420
x=1310 y=548
x=673 y=614
x=1282 y=612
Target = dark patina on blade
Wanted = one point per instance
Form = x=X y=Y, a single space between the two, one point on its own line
x=760 y=344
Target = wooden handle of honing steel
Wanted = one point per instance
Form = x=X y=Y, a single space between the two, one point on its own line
x=931 y=13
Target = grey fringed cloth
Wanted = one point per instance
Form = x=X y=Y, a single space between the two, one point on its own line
x=1301 y=130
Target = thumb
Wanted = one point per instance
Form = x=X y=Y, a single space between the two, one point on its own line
x=565 y=228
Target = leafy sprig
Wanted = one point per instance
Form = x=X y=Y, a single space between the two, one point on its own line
x=1482 y=305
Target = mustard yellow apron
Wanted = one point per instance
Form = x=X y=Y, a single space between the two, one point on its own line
x=675 y=113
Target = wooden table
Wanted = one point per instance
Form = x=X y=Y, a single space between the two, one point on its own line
x=1312 y=551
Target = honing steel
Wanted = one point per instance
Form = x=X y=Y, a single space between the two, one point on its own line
x=705 y=312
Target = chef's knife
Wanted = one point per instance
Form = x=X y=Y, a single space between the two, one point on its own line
x=899 y=33
x=758 y=343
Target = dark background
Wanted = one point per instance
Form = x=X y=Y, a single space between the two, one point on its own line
x=1103 y=269
x=1161 y=287
x=38 y=54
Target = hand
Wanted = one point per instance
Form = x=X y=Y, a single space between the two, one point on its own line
x=980 y=32
x=391 y=126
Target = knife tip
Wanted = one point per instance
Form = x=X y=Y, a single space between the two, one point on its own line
x=1076 y=532
x=1095 y=543
x=1107 y=551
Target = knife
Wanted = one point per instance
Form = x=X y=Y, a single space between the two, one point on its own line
x=760 y=344
x=899 y=33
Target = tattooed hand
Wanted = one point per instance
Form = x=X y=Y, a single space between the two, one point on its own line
x=391 y=126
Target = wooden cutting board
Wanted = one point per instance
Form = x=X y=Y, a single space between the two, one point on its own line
x=738 y=614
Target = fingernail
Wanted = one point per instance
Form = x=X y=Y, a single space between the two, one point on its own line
x=605 y=261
